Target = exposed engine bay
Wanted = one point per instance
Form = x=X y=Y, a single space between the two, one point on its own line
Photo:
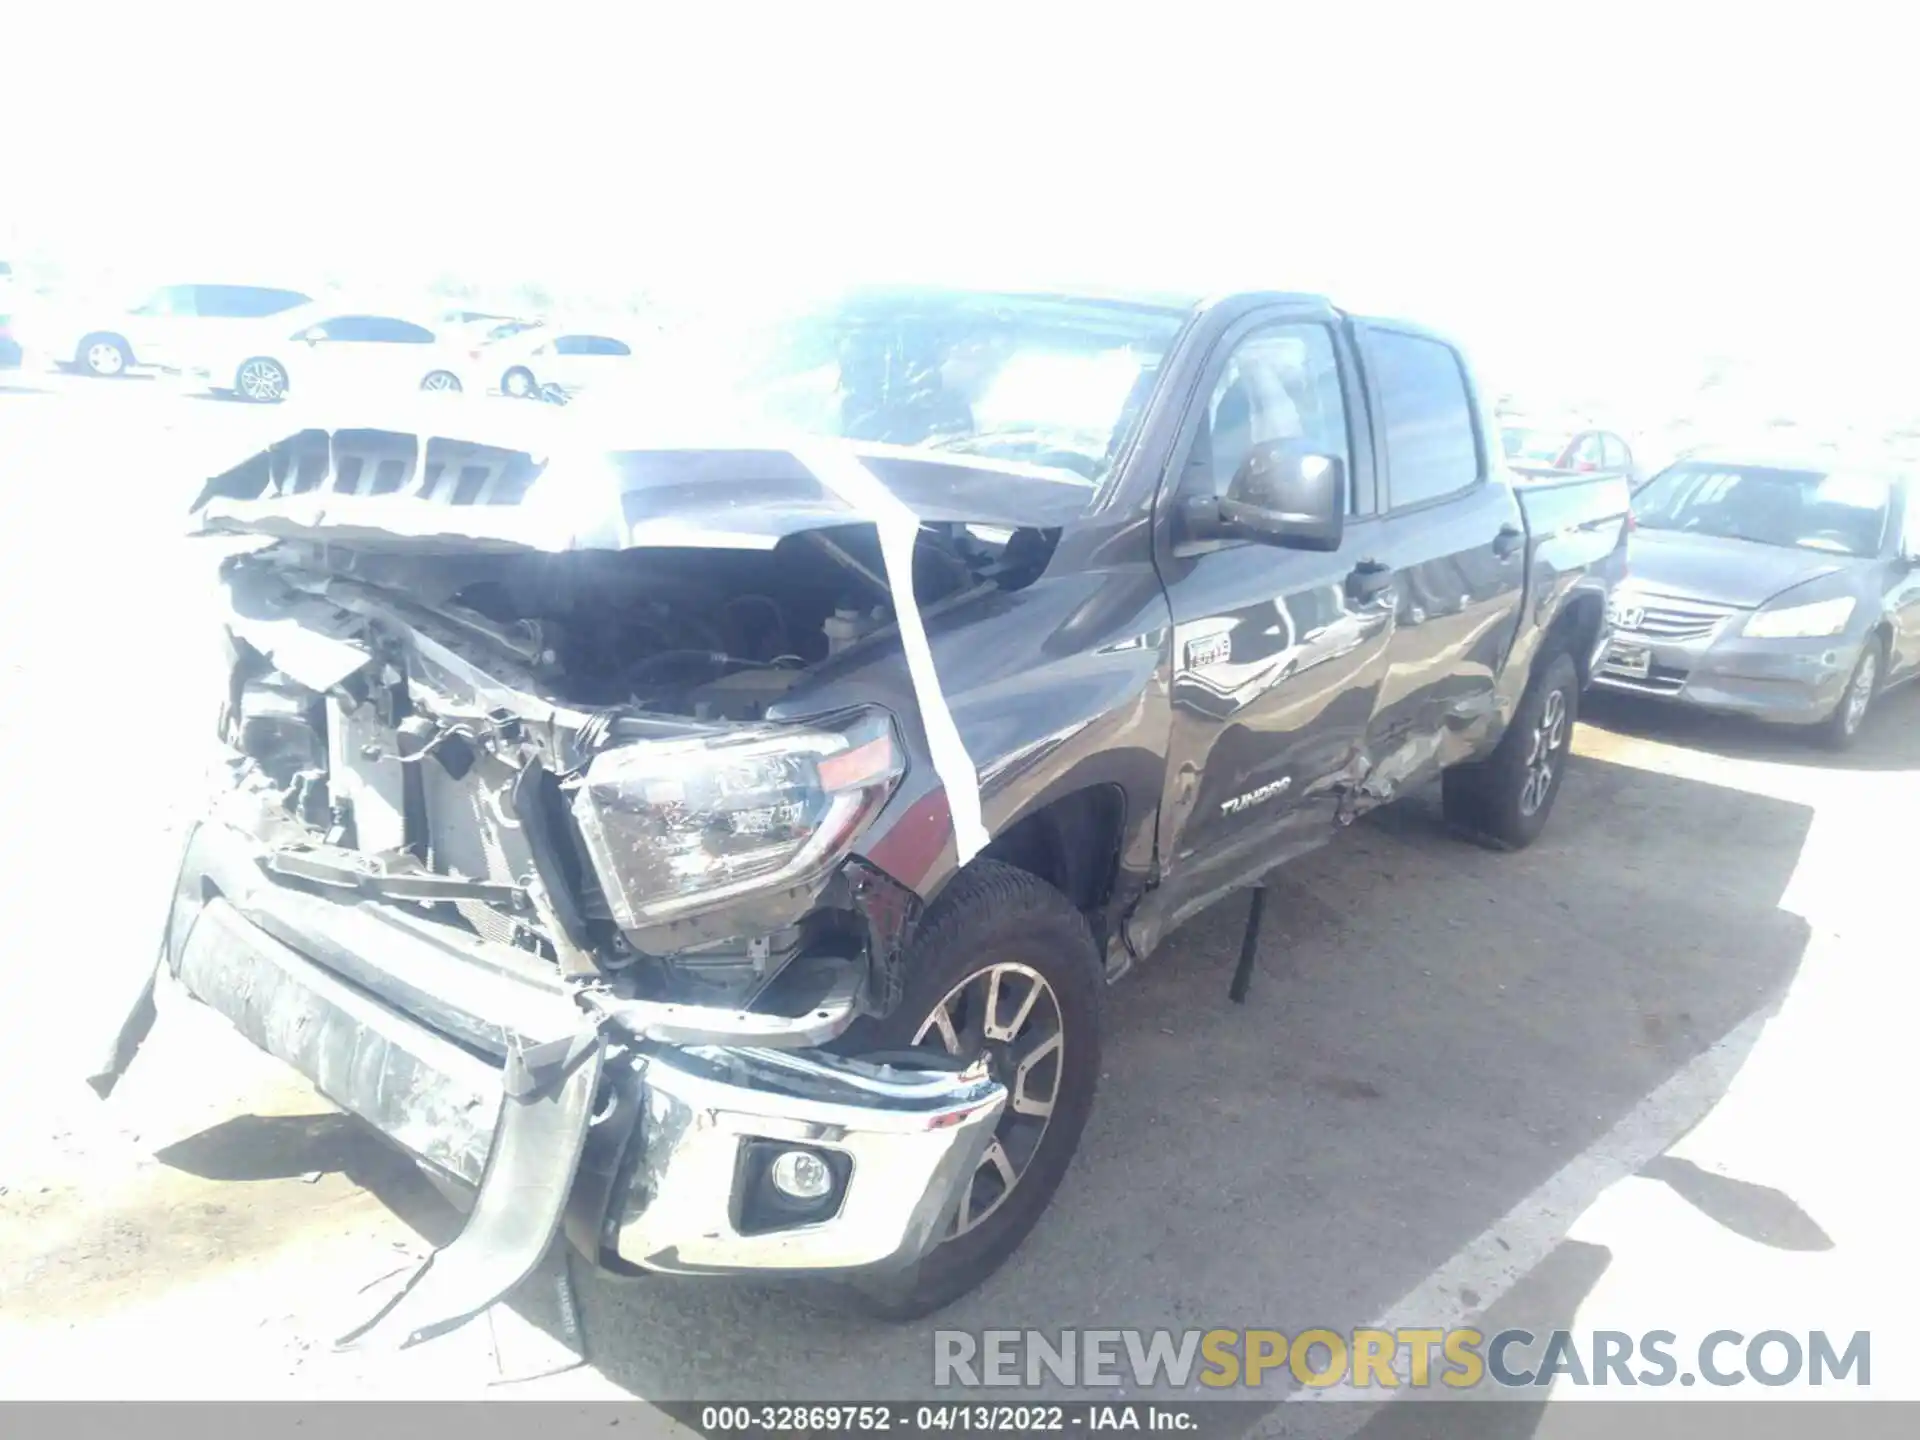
x=523 y=745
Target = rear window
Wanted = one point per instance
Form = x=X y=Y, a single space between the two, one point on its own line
x=1428 y=416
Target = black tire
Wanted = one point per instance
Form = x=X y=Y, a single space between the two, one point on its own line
x=103 y=356
x=260 y=380
x=994 y=915
x=1840 y=729
x=1503 y=800
x=518 y=382
x=443 y=382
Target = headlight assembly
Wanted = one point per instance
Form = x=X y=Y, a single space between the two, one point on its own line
x=677 y=827
x=1801 y=622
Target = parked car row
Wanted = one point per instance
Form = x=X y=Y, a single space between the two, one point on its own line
x=262 y=343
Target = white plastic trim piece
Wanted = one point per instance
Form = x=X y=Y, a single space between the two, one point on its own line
x=847 y=476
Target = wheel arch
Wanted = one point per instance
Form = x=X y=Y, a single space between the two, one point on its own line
x=1575 y=630
x=93 y=337
x=1073 y=842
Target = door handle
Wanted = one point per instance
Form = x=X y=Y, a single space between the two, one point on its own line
x=1510 y=539
x=1368 y=581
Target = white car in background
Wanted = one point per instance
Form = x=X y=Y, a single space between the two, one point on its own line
x=108 y=340
x=327 y=351
x=568 y=358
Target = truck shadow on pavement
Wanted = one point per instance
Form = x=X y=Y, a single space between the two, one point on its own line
x=1433 y=1031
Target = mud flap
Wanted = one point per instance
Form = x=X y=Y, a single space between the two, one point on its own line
x=107 y=1067
x=523 y=1193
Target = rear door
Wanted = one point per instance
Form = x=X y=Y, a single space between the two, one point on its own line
x=152 y=328
x=229 y=320
x=579 y=360
x=1618 y=459
x=360 y=353
x=1277 y=653
x=1456 y=544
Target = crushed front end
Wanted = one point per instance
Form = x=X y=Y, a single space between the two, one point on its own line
x=518 y=863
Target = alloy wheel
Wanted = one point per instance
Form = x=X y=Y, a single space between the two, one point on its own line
x=262 y=380
x=1543 y=752
x=1010 y=1012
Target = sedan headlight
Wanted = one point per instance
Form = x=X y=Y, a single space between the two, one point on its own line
x=676 y=827
x=1801 y=622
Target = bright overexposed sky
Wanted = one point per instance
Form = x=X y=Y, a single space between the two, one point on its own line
x=1615 y=185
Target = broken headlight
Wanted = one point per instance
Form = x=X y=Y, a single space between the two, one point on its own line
x=677 y=827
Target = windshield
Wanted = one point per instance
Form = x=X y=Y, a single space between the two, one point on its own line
x=1046 y=380
x=1804 y=509
x=1541 y=447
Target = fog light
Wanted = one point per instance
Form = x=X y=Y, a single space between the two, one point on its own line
x=801 y=1175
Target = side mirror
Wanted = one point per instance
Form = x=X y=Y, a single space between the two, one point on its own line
x=1285 y=493
x=314 y=334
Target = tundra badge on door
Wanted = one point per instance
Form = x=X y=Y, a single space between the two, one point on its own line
x=1255 y=797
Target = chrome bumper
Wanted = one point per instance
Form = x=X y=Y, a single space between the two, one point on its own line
x=911 y=1140
x=661 y=1177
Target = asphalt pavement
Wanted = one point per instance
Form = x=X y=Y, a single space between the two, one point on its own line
x=1642 y=1075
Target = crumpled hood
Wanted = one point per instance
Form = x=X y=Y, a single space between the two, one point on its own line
x=463 y=474
x=1732 y=572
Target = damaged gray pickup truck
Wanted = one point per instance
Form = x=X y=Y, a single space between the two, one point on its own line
x=712 y=846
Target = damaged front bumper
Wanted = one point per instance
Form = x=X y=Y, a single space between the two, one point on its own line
x=648 y=1156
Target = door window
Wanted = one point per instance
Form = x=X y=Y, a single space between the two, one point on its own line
x=243 y=302
x=1282 y=382
x=1618 y=457
x=169 y=300
x=377 y=328
x=1430 y=446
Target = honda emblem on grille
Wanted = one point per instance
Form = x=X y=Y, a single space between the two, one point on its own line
x=1629 y=617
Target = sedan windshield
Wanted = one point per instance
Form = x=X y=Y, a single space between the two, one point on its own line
x=1804 y=509
x=1042 y=379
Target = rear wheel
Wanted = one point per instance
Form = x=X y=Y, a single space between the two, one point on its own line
x=517 y=382
x=1505 y=800
x=260 y=380
x=444 y=381
x=1003 y=965
x=1842 y=728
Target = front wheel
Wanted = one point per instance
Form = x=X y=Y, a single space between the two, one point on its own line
x=517 y=382
x=1002 y=965
x=104 y=356
x=442 y=381
x=1842 y=727
x=1505 y=799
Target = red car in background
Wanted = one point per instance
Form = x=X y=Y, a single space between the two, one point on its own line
x=1545 y=451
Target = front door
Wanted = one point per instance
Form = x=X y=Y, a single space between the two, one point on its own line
x=1277 y=653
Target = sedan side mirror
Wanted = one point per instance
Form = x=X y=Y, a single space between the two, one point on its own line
x=314 y=334
x=1285 y=493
